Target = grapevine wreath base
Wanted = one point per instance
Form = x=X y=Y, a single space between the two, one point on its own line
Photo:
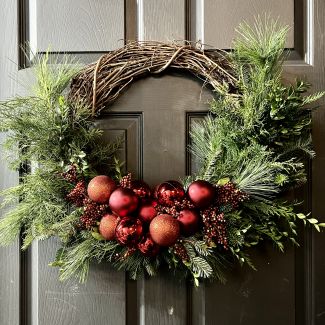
x=251 y=148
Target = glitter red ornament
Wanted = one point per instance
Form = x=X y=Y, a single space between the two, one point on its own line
x=107 y=226
x=129 y=231
x=164 y=230
x=201 y=193
x=148 y=247
x=123 y=201
x=189 y=222
x=100 y=188
x=169 y=192
x=147 y=210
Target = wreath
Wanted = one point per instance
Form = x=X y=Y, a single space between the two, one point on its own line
x=251 y=148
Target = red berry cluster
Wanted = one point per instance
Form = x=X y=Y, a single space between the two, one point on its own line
x=71 y=174
x=177 y=206
x=203 y=200
x=180 y=250
x=92 y=212
x=229 y=197
x=78 y=194
x=214 y=227
x=126 y=181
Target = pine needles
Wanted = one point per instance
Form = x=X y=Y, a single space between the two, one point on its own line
x=257 y=139
x=256 y=136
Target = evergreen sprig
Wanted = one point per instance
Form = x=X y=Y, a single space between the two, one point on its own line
x=258 y=138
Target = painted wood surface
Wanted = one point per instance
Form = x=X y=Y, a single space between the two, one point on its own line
x=76 y=25
x=215 y=21
x=161 y=20
x=154 y=115
x=9 y=256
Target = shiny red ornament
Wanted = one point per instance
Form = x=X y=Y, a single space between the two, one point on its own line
x=123 y=201
x=147 y=210
x=140 y=188
x=155 y=191
x=164 y=230
x=148 y=247
x=169 y=192
x=107 y=226
x=100 y=188
x=201 y=193
x=189 y=221
x=129 y=231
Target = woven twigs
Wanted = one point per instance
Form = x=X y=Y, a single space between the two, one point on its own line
x=102 y=82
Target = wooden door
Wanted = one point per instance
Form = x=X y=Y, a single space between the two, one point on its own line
x=155 y=116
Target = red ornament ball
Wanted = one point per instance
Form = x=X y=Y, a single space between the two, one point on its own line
x=169 y=192
x=148 y=247
x=129 y=231
x=189 y=222
x=100 y=188
x=123 y=201
x=164 y=230
x=155 y=191
x=107 y=226
x=140 y=188
x=201 y=193
x=147 y=210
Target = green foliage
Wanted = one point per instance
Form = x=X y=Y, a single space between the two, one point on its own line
x=74 y=260
x=256 y=136
x=47 y=129
x=259 y=139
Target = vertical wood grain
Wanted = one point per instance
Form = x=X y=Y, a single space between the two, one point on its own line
x=266 y=296
x=161 y=20
x=130 y=25
x=216 y=20
x=99 y=301
x=318 y=171
x=76 y=25
x=9 y=256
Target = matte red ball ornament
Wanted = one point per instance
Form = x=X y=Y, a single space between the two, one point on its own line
x=148 y=247
x=164 y=230
x=169 y=192
x=107 y=226
x=201 y=193
x=147 y=210
x=140 y=188
x=100 y=188
x=189 y=222
x=123 y=201
x=129 y=231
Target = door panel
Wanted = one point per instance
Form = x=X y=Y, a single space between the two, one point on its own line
x=161 y=20
x=164 y=299
x=75 y=25
x=216 y=20
x=128 y=128
x=155 y=116
x=66 y=303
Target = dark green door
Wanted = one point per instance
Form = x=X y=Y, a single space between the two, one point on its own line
x=155 y=116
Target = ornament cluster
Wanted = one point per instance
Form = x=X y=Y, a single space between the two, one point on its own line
x=148 y=221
